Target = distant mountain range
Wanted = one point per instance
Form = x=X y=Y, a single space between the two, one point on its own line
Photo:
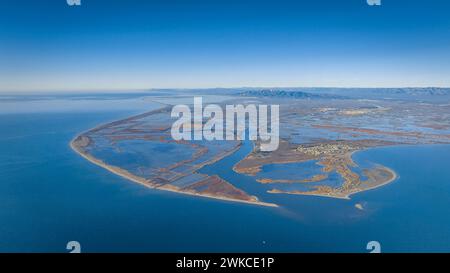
x=406 y=93
x=287 y=94
x=416 y=91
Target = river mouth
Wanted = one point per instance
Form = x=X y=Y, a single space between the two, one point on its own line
x=316 y=208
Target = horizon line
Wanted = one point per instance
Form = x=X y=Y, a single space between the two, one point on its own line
x=128 y=90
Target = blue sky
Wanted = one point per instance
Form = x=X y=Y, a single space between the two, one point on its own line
x=131 y=44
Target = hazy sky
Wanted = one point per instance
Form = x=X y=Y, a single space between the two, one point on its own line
x=131 y=44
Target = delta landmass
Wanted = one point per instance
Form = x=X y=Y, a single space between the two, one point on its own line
x=321 y=128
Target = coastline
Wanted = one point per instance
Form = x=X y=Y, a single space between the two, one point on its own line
x=253 y=200
x=394 y=177
x=124 y=174
x=253 y=170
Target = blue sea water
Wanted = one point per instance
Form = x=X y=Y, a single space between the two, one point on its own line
x=49 y=195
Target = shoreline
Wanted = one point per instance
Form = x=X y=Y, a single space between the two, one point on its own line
x=148 y=183
x=347 y=196
x=122 y=173
x=252 y=171
x=392 y=179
